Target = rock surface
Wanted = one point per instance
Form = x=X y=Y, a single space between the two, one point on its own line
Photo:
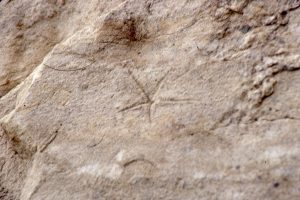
x=149 y=99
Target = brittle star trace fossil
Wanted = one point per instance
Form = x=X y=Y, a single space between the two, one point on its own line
x=151 y=101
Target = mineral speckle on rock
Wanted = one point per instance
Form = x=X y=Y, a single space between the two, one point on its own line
x=149 y=99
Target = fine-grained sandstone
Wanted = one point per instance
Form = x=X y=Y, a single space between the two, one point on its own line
x=149 y=99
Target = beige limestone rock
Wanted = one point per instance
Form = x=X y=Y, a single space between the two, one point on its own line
x=149 y=99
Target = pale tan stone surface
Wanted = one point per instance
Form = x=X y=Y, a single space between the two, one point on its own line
x=150 y=99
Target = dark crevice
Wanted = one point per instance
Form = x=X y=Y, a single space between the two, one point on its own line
x=19 y=147
x=5 y=194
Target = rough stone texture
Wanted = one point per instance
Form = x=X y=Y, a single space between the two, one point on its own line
x=149 y=99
